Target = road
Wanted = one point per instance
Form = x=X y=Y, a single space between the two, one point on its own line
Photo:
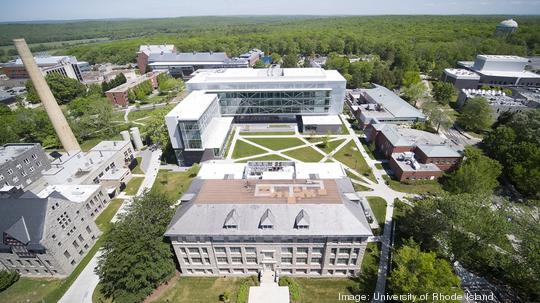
x=83 y=287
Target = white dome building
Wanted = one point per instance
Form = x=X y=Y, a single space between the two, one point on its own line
x=506 y=27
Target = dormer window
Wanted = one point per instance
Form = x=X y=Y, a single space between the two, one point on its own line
x=231 y=221
x=302 y=220
x=267 y=220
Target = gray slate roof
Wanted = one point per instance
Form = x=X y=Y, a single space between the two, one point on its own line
x=23 y=219
x=438 y=150
x=207 y=219
x=391 y=133
x=393 y=103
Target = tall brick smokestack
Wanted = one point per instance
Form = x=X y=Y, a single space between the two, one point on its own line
x=63 y=131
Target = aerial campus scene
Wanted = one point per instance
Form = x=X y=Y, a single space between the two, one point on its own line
x=269 y=152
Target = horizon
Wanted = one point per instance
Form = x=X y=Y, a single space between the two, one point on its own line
x=256 y=15
x=58 y=10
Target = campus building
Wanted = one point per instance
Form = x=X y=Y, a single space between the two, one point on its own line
x=521 y=99
x=182 y=65
x=414 y=154
x=381 y=105
x=67 y=66
x=259 y=95
x=47 y=235
x=196 y=128
x=494 y=70
x=119 y=95
x=300 y=219
x=107 y=164
x=22 y=164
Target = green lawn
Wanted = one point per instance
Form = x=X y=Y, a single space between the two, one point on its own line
x=173 y=184
x=137 y=169
x=266 y=158
x=243 y=149
x=350 y=156
x=378 y=206
x=133 y=185
x=103 y=221
x=324 y=290
x=330 y=146
x=29 y=290
x=200 y=290
x=282 y=133
x=416 y=187
x=369 y=269
x=378 y=165
x=305 y=154
x=277 y=143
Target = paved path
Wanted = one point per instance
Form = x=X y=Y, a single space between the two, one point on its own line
x=83 y=287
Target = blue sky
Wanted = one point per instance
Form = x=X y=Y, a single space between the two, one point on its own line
x=22 y=10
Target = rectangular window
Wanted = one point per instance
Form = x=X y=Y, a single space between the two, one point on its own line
x=342 y=261
x=316 y=260
x=301 y=260
x=88 y=229
x=317 y=251
x=286 y=260
x=193 y=250
x=219 y=250
x=222 y=260
x=250 y=250
x=345 y=251
x=286 y=250
x=186 y=260
x=251 y=260
x=236 y=260
x=302 y=250
x=66 y=254
x=196 y=260
x=75 y=244
x=235 y=250
x=206 y=260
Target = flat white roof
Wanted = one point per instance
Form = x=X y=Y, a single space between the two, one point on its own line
x=193 y=106
x=324 y=170
x=217 y=169
x=265 y=75
x=218 y=128
x=321 y=120
x=509 y=58
x=75 y=193
x=510 y=74
x=461 y=73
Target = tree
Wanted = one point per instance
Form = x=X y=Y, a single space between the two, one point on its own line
x=7 y=278
x=337 y=62
x=411 y=78
x=443 y=92
x=135 y=258
x=166 y=83
x=290 y=60
x=416 y=272
x=414 y=92
x=438 y=116
x=476 y=174
x=90 y=116
x=475 y=115
x=276 y=58
x=259 y=64
x=155 y=129
x=63 y=88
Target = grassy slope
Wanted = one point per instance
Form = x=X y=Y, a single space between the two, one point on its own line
x=305 y=154
x=350 y=156
x=133 y=185
x=173 y=184
x=243 y=149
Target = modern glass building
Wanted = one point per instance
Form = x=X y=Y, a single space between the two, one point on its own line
x=200 y=124
x=197 y=129
x=273 y=92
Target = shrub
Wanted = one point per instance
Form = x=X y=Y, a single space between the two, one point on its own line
x=294 y=288
x=7 y=278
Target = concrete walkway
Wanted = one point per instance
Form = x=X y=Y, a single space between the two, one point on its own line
x=83 y=287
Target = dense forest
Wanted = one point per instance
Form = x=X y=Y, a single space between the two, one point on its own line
x=423 y=42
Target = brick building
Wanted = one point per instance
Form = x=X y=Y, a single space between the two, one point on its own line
x=413 y=154
x=119 y=94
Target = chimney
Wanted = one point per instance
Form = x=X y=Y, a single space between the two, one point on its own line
x=61 y=127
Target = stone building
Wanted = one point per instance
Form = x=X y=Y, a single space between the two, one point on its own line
x=21 y=164
x=300 y=219
x=49 y=235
